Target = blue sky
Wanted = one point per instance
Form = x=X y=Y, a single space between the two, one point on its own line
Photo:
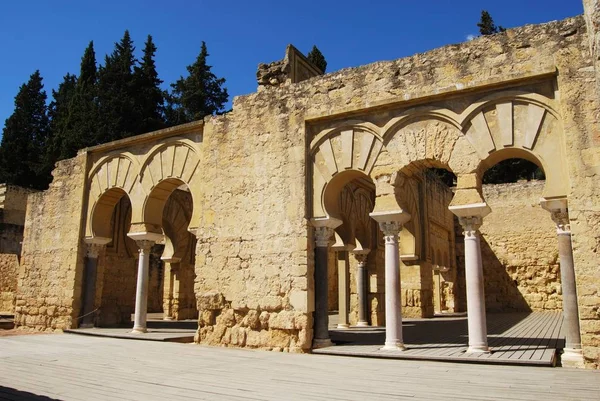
x=51 y=35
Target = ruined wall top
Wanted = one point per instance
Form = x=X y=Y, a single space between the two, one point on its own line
x=294 y=68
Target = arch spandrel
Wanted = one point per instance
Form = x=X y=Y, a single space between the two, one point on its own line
x=424 y=138
x=166 y=167
x=350 y=149
x=524 y=126
x=109 y=179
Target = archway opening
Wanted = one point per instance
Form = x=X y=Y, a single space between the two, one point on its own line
x=117 y=265
x=425 y=189
x=170 y=207
x=518 y=241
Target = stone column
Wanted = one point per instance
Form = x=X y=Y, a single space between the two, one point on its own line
x=362 y=286
x=323 y=234
x=470 y=218
x=169 y=286
x=141 y=293
x=391 y=225
x=88 y=287
x=572 y=355
x=343 y=283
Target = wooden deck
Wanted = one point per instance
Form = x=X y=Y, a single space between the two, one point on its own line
x=515 y=339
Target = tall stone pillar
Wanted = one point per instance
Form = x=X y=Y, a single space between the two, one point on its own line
x=90 y=275
x=323 y=233
x=141 y=293
x=470 y=218
x=170 y=287
x=391 y=225
x=572 y=355
x=362 y=286
x=343 y=283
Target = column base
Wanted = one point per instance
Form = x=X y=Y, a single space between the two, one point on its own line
x=139 y=330
x=343 y=326
x=572 y=358
x=322 y=343
x=478 y=349
x=363 y=324
x=167 y=318
x=393 y=346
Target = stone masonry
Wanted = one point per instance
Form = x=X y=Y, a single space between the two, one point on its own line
x=265 y=176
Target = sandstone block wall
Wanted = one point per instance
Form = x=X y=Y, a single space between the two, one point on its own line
x=519 y=250
x=9 y=270
x=49 y=288
x=252 y=278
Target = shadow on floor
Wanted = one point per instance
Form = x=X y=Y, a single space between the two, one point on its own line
x=14 y=394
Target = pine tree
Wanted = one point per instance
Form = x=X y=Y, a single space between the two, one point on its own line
x=150 y=98
x=317 y=59
x=116 y=100
x=200 y=94
x=486 y=24
x=25 y=137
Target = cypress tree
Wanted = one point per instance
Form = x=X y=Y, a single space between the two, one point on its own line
x=25 y=137
x=200 y=94
x=80 y=129
x=59 y=113
x=486 y=24
x=317 y=59
x=116 y=102
x=149 y=97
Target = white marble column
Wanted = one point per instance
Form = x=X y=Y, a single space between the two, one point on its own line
x=572 y=355
x=323 y=235
x=391 y=225
x=141 y=293
x=362 y=286
x=474 y=279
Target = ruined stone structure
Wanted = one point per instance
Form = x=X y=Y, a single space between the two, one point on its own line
x=13 y=202
x=250 y=210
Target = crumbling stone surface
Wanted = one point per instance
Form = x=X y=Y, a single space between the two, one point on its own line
x=49 y=288
x=9 y=270
x=258 y=173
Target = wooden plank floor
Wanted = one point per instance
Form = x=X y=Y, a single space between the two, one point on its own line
x=69 y=367
x=514 y=338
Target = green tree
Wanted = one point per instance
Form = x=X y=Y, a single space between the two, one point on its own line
x=513 y=170
x=198 y=95
x=59 y=113
x=116 y=99
x=486 y=24
x=150 y=99
x=317 y=59
x=25 y=136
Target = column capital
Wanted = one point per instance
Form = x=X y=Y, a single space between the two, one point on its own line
x=559 y=212
x=361 y=257
x=323 y=236
x=144 y=245
x=470 y=224
x=390 y=230
x=92 y=250
x=324 y=227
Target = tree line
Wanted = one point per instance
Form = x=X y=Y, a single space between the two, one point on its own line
x=120 y=98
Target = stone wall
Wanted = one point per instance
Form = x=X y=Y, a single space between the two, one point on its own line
x=9 y=270
x=252 y=278
x=49 y=289
x=519 y=250
x=13 y=202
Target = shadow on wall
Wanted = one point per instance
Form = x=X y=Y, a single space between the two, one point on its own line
x=501 y=291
